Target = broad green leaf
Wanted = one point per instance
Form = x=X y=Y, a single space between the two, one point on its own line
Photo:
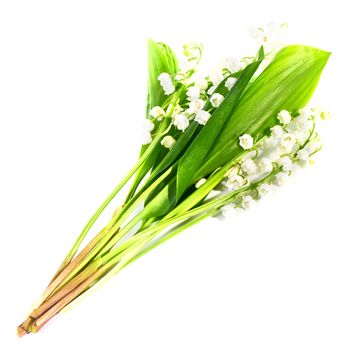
x=287 y=83
x=191 y=161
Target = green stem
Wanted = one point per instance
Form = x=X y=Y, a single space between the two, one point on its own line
x=172 y=234
x=153 y=231
x=102 y=207
x=136 y=246
x=160 y=132
x=104 y=244
x=227 y=199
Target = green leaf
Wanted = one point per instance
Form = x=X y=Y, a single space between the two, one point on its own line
x=161 y=59
x=200 y=147
x=162 y=203
x=287 y=83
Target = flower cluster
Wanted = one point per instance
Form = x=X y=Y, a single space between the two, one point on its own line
x=269 y=161
x=201 y=97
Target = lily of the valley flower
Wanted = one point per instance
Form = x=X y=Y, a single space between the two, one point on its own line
x=232 y=64
x=166 y=83
x=216 y=100
x=193 y=93
x=287 y=142
x=181 y=122
x=265 y=165
x=200 y=183
x=168 y=142
x=313 y=146
x=303 y=154
x=196 y=105
x=202 y=117
x=146 y=138
x=157 y=112
x=277 y=131
x=246 y=141
x=211 y=89
x=286 y=163
x=148 y=126
x=201 y=84
x=271 y=35
x=230 y=82
x=249 y=166
x=284 y=117
x=235 y=182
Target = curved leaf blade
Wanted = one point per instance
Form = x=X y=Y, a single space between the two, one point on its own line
x=200 y=147
x=161 y=59
x=287 y=83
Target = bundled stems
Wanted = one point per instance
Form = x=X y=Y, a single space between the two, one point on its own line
x=64 y=290
x=99 y=257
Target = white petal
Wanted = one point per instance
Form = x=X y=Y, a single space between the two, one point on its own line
x=200 y=183
x=202 y=117
x=216 y=100
x=246 y=141
x=168 y=142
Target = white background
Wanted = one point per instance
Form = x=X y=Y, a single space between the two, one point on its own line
x=72 y=92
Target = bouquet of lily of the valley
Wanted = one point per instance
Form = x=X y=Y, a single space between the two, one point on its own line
x=213 y=144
